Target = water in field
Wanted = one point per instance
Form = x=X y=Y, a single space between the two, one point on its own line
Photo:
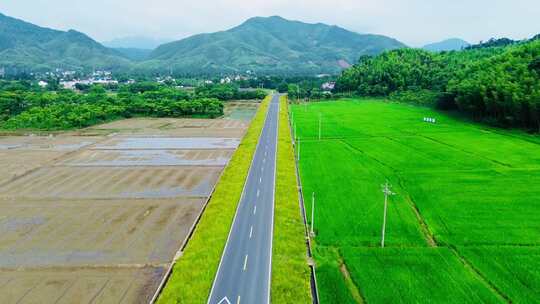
x=176 y=143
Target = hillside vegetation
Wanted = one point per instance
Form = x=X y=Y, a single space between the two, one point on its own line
x=25 y=47
x=273 y=45
x=497 y=85
x=265 y=45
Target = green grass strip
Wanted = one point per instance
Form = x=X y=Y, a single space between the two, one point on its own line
x=193 y=274
x=290 y=272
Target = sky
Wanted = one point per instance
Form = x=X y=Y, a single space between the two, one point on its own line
x=414 y=22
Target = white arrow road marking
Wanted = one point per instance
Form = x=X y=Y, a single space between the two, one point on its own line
x=250 y=231
x=245 y=263
x=224 y=301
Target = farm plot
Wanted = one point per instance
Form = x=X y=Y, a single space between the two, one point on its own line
x=99 y=219
x=222 y=128
x=20 y=154
x=464 y=214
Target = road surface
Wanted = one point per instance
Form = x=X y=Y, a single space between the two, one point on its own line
x=244 y=272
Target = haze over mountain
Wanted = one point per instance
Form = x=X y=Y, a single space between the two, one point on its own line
x=27 y=47
x=271 y=45
x=135 y=42
x=453 y=44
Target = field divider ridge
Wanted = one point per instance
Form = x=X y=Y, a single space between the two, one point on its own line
x=482 y=278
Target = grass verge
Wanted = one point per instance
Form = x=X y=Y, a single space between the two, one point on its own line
x=290 y=272
x=193 y=274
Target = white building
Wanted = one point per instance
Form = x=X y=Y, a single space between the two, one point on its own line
x=42 y=83
x=328 y=86
x=225 y=80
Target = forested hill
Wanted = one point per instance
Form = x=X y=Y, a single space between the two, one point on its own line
x=267 y=45
x=499 y=85
x=272 y=45
x=28 y=47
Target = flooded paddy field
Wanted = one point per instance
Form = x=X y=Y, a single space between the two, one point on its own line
x=97 y=215
x=114 y=182
x=223 y=128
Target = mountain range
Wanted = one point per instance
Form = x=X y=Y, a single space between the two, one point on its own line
x=135 y=42
x=453 y=44
x=271 y=45
x=27 y=47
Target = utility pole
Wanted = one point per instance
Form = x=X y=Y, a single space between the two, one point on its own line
x=312 y=214
x=320 y=125
x=298 y=158
x=386 y=190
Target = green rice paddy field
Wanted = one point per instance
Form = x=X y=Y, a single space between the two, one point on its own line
x=463 y=227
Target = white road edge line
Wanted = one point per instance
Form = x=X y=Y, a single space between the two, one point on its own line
x=273 y=203
x=245 y=263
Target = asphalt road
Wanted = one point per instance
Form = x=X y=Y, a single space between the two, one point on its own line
x=244 y=272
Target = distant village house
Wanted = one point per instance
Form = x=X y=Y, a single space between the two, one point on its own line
x=328 y=86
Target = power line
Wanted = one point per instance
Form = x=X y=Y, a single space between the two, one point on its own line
x=312 y=214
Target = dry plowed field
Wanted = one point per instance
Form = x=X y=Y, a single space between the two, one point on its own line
x=98 y=215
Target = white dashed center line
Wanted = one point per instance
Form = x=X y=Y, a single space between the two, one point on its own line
x=245 y=263
x=250 y=232
x=254 y=209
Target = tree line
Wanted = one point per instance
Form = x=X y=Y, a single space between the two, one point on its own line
x=24 y=105
x=495 y=82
